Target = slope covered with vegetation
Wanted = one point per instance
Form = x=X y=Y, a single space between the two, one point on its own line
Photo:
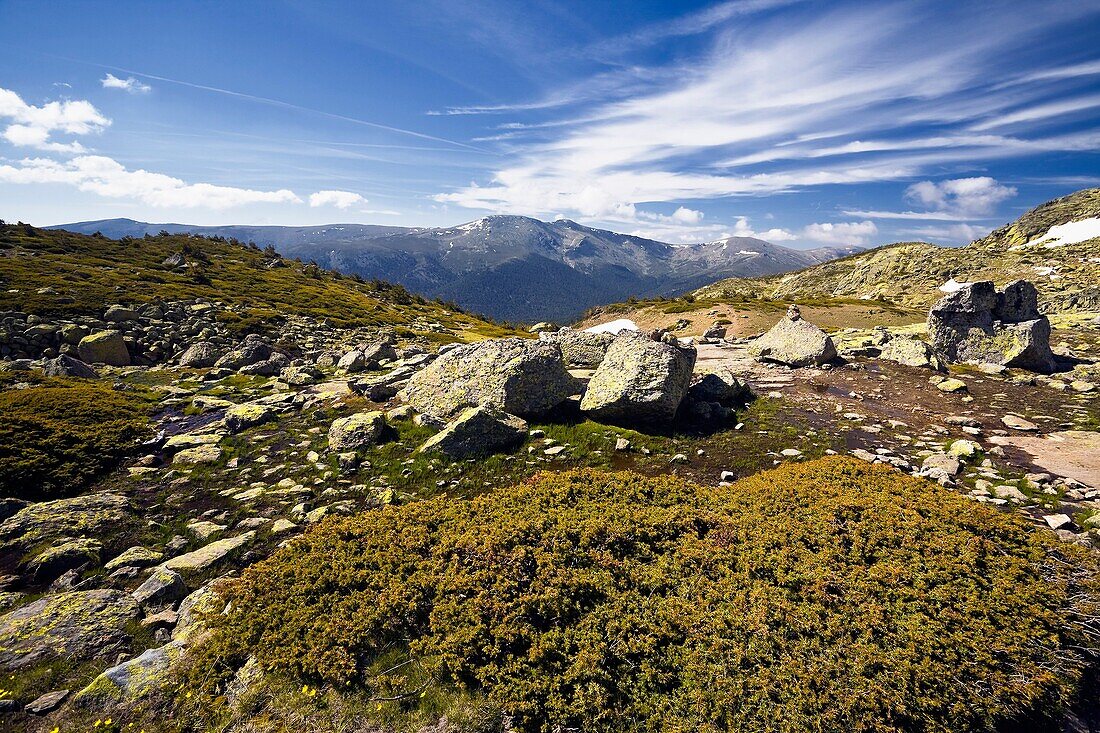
x=831 y=595
x=54 y=272
x=910 y=273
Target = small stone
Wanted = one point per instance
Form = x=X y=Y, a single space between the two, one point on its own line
x=1058 y=521
x=47 y=702
x=622 y=444
x=951 y=385
x=1018 y=423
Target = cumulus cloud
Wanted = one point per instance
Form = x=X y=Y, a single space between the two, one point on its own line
x=106 y=177
x=129 y=84
x=31 y=126
x=338 y=199
x=971 y=197
x=855 y=232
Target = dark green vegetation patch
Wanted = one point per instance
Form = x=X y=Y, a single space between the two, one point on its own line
x=59 y=434
x=831 y=595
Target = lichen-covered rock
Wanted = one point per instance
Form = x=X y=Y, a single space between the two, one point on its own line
x=979 y=324
x=93 y=514
x=67 y=555
x=477 y=431
x=252 y=350
x=243 y=417
x=300 y=376
x=133 y=679
x=639 y=381
x=136 y=556
x=910 y=351
x=162 y=587
x=199 y=454
x=795 y=342
x=519 y=376
x=208 y=555
x=580 y=349
x=76 y=627
x=379 y=350
x=104 y=347
x=190 y=624
x=200 y=355
x=355 y=432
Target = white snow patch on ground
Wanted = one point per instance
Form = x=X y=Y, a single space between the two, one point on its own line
x=1044 y=270
x=747 y=252
x=1071 y=233
x=622 y=324
x=952 y=286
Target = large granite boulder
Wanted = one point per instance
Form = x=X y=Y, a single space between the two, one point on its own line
x=75 y=627
x=795 y=342
x=639 y=381
x=253 y=350
x=355 y=432
x=104 y=347
x=979 y=324
x=133 y=679
x=247 y=415
x=580 y=349
x=518 y=376
x=477 y=431
x=722 y=385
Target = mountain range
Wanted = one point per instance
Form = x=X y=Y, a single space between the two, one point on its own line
x=513 y=268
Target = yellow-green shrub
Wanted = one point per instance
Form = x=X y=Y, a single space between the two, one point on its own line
x=826 y=596
x=58 y=435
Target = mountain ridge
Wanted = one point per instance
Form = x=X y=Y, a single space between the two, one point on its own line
x=510 y=267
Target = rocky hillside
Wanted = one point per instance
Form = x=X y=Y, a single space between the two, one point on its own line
x=510 y=267
x=1066 y=269
x=49 y=274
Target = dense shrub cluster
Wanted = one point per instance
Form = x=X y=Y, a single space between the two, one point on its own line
x=58 y=435
x=826 y=596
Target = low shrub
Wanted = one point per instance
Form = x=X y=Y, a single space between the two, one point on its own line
x=56 y=436
x=831 y=595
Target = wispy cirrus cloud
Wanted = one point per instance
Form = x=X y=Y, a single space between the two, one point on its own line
x=840 y=97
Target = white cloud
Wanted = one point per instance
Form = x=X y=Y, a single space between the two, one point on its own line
x=106 y=177
x=954 y=234
x=921 y=215
x=31 y=126
x=856 y=232
x=129 y=84
x=685 y=215
x=965 y=197
x=338 y=199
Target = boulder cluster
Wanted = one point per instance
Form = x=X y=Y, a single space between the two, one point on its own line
x=980 y=324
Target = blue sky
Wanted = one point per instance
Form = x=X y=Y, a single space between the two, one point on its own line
x=802 y=122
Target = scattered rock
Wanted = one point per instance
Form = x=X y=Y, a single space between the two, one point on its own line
x=67 y=366
x=243 y=417
x=208 y=555
x=1018 y=423
x=951 y=385
x=200 y=355
x=355 y=432
x=164 y=586
x=478 y=431
x=104 y=347
x=70 y=555
x=47 y=703
x=199 y=454
x=93 y=514
x=910 y=351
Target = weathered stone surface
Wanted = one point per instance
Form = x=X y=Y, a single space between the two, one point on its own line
x=243 y=417
x=76 y=626
x=55 y=560
x=580 y=349
x=162 y=587
x=104 y=347
x=92 y=514
x=379 y=350
x=478 y=431
x=252 y=350
x=1018 y=423
x=721 y=385
x=208 y=555
x=518 y=376
x=136 y=556
x=300 y=376
x=639 y=381
x=951 y=385
x=46 y=703
x=189 y=624
x=200 y=355
x=120 y=314
x=355 y=432
x=795 y=342
x=977 y=323
x=67 y=366
x=133 y=679
x=911 y=351
x=351 y=362
x=199 y=454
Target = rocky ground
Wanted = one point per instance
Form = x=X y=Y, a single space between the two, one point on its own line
x=102 y=590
